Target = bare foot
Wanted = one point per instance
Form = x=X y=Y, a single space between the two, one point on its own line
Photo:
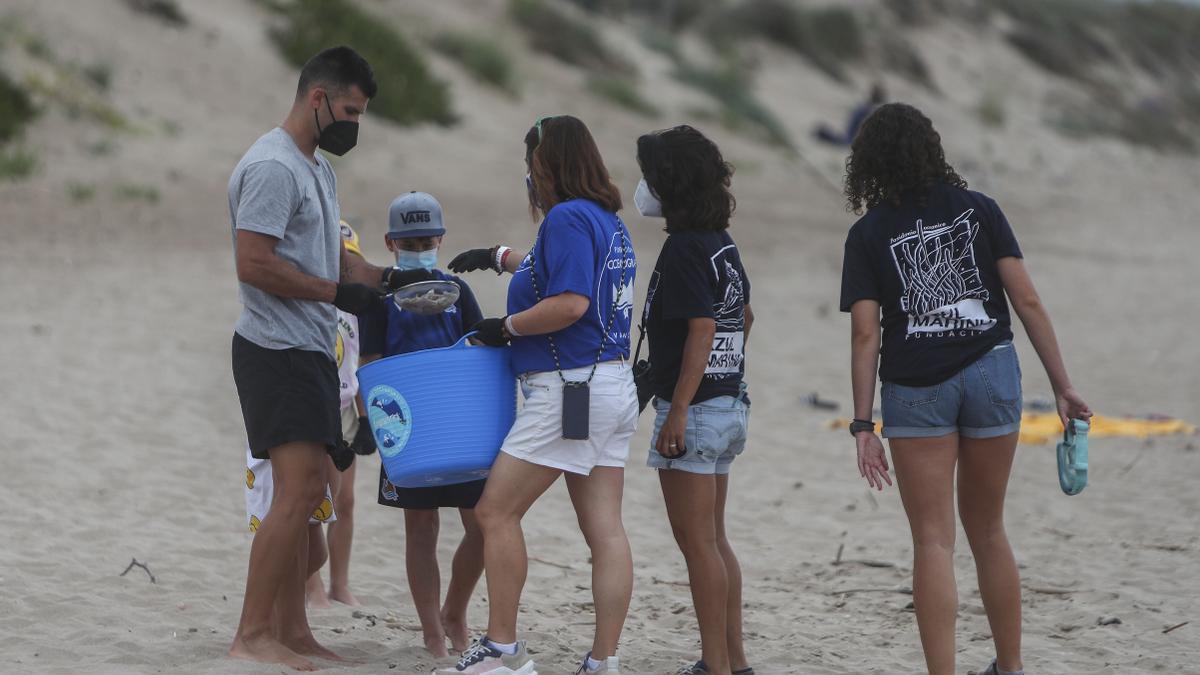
x=456 y=630
x=344 y=596
x=308 y=646
x=436 y=645
x=314 y=593
x=266 y=649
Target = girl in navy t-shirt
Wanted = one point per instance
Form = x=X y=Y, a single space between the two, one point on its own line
x=925 y=276
x=697 y=320
x=570 y=306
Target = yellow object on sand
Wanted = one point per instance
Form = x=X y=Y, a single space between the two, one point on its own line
x=1045 y=427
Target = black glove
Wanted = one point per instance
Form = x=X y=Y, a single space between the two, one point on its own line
x=491 y=332
x=341 y=455
x=475 y=259
x=364 y=441
x=394 y=277
x=355 y=298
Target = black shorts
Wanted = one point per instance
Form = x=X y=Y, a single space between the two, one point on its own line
x=287 y=395
x=455 y=496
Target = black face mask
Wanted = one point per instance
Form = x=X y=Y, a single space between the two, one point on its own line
x=339 y=136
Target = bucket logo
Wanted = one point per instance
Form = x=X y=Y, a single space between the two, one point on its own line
x=390 y=418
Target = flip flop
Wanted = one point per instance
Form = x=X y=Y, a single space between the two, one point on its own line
x=1073 y=458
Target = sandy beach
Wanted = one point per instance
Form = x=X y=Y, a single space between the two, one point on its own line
x=122 y=437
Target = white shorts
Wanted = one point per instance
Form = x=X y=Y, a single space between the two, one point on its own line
x=260 y=486
x=536 y=436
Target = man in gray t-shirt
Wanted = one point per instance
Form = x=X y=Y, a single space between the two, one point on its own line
x=293 y=271
x=278 y=191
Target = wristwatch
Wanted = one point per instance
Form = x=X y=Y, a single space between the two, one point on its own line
x=858 y=425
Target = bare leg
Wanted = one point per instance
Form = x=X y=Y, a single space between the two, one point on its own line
x=512 y=487
x=925 y=473
x=292 y=618
x=341 y=535
x=983 y=470
x=424 y=579
x=314 y=589
x=299 y=483
x=691 y=508
x=597 y=501
x=733 y=610
x=464 y=575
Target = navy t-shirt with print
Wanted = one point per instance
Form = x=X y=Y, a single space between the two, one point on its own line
x=389 y=331
x=932 y=268
x=698 y=275
x=580 y=248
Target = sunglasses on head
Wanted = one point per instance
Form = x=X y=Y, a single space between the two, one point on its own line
x=538 y=124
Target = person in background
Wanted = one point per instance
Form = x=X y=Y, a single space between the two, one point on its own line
x=697 y=320
x=570 y=305
x=929 y=266
x=415 y=231
x=855 y=120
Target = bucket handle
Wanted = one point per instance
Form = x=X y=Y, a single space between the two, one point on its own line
x=462 y=342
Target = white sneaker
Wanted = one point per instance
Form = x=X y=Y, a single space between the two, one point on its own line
x=481 y=658
x=610 y=666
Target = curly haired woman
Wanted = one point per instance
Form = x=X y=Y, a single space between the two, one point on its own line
x=930 y=264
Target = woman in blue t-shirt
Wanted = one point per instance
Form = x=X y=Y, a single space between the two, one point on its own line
x=570 y=303
x=930 y=264
x=697 y=319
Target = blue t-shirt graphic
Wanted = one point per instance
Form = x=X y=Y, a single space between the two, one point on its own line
x=389 y=332
x=580 y=248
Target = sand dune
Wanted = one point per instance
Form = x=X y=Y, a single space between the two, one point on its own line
x=122 y=437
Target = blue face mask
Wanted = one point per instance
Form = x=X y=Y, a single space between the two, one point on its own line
x=411 y=260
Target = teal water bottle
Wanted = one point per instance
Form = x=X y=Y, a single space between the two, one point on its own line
x=1073 y=458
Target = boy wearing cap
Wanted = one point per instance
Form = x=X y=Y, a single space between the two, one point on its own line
x=415 y=231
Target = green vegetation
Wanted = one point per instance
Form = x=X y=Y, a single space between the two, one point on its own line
x=740 y=110
x=557 y=33
x=16 y=164
x=827 y=37
x=137 y=192
x=16 y=110
x=99 y=74
x=623 y=92
x=991 y=110
x=80 y=193
x=408 y=92
x=482 y=57
x=166 y=11
x=1147 y=126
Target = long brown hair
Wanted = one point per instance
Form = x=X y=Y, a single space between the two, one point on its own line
x=564 y=163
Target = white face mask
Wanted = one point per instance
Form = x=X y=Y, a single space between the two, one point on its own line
x=411 y=260
x=645 y=201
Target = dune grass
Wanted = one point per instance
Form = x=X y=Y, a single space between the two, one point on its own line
x=408 y=92
x=482 y=57
x=624 y=92
x=828 y=37
x=573 y=41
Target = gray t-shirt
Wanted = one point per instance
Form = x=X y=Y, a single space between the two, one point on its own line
x=277 y=191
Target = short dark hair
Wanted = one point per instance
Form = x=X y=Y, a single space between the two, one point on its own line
x=896 y=156
x=687 y=173
x=337 y=69
x=565 y=163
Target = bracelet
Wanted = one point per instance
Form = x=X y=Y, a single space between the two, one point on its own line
x=508 y=326
x=858 y=425
x=504 y=259
x=499 y=257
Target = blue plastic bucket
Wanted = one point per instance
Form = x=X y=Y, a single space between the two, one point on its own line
x=439 y=416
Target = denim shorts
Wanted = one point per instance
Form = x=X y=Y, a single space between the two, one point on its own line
x=714 y=436
x=982 y=400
